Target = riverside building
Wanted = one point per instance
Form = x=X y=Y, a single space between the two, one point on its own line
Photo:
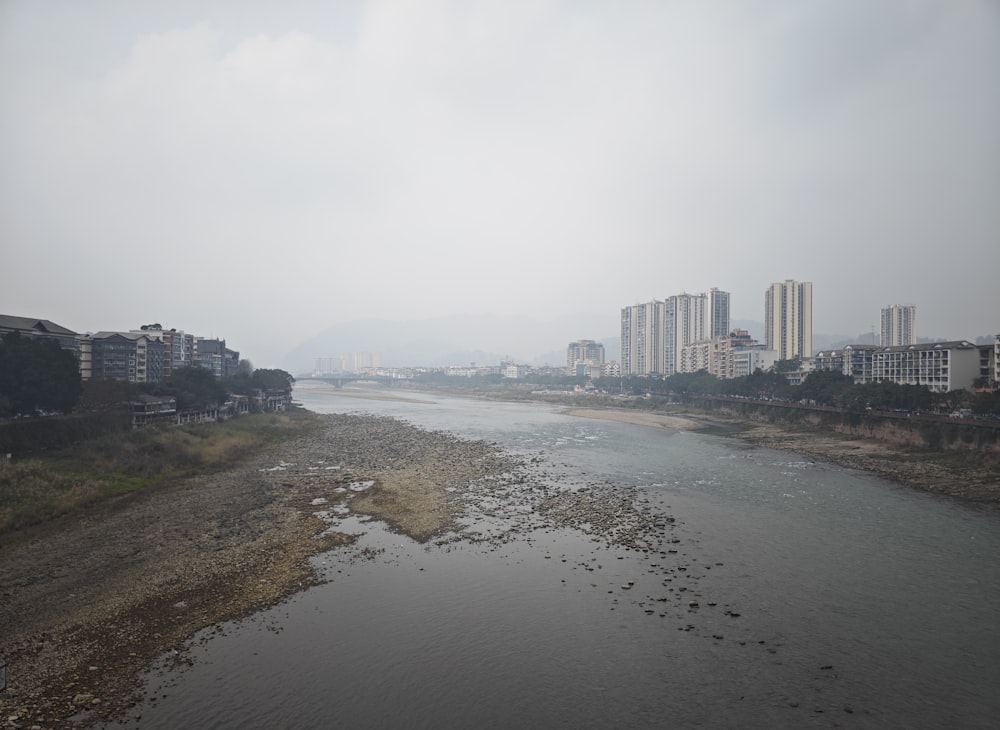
x=938 y=366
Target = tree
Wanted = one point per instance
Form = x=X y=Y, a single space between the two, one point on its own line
x=987 y=403
x=193 y=387
x=788 y=366
x=105 y=395
x=272 y=379
x=36 y=375
x=826 y=387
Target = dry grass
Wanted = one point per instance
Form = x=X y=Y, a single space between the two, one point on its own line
x=36 y=489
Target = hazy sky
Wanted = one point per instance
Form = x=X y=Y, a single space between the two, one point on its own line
x=261 y=171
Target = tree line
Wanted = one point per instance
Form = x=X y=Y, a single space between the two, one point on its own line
x=820 y=387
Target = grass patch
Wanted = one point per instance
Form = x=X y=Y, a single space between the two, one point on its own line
x=37 y=489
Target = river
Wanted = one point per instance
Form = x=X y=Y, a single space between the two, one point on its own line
x=786 y=593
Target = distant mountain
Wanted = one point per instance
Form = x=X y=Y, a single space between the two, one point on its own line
x=456 y=340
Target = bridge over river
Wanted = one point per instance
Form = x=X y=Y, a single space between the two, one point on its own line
x=340 y=379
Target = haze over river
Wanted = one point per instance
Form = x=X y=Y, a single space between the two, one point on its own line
x=824 y=598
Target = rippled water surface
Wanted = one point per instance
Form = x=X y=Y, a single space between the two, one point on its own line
x=825 y=598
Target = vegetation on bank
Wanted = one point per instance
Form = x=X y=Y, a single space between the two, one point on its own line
x=39 y=488
x=821 y=387
x=36 y=376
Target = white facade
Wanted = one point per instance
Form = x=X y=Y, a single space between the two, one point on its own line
x=940 y=366
x=747 y=361
x=899 y=325
x=642 y=338
x=654 y=334
x=788 y=319
x=686 y=322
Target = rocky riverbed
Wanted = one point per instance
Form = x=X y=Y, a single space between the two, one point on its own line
x=90 y=601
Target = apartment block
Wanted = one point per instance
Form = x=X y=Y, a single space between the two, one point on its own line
x=585 y=355
x=214 y=355
x=854 y=360
x=788 y=319
x=899 y=325
x=718 y=313
x=654 y=334
x=642 y=339
x=939 y=366
x=129 y=356
x=726 y=357
x=178 y=347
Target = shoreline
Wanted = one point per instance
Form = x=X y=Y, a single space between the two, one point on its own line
x=910 y=468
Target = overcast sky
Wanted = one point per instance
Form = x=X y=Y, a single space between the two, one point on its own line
x=262 y=171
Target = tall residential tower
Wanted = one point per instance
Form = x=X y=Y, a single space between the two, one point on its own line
x=899 y=325
x=788 y=319
x=653 y=334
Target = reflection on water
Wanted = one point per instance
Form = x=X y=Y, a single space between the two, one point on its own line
x=780 y=593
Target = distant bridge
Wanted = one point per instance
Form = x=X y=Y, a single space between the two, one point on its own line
x=338 y=381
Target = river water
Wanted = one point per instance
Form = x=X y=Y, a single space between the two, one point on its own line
x=824 y=597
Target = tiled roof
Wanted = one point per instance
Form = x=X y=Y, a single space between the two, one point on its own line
x=29 y=324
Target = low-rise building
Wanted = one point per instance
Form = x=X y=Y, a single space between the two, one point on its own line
x=148 y=409
x=940 y=366
x=726 y=358
x=854 y=360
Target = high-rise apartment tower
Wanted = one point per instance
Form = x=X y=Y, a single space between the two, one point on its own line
x=642 y=339
x=899 y=325
x=788 y=319
x=654 y=333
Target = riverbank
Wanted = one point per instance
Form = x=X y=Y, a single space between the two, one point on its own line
x=962 y=476
x=90 y=600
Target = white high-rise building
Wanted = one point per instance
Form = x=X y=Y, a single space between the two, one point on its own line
x=693 y=318
x=642 y=339
x=788 y=319
x=654 y=334
x=687 y=322
x=899 y=325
